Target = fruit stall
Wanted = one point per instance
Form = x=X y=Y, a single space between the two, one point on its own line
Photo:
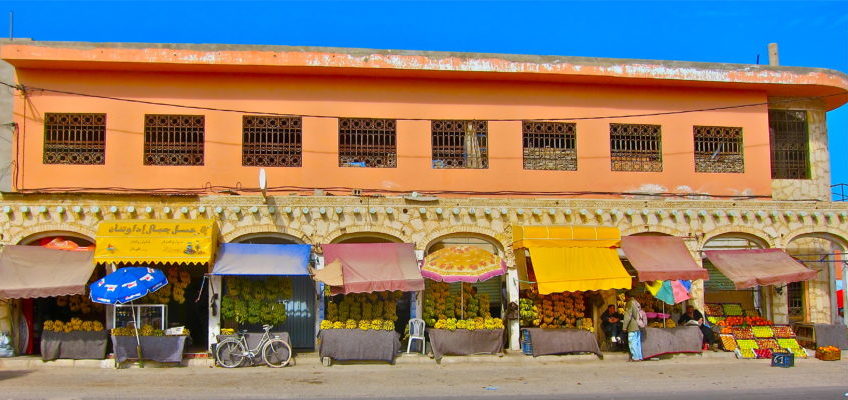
x=74 y=339
x=560 y=268
x=161 y=345
x=458 y=316
x=363 y=284
x=256 y=282
x=750 y=336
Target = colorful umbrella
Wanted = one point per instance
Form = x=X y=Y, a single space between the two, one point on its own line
x=670 y=292
x=462 y=264
x=126 y=285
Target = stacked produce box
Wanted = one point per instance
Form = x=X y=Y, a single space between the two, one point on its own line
x=365 y=311
x=556 y=310
x=750 y=335
x=464 y=310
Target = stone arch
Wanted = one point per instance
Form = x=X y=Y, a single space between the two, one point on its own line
x=835 y=237
x=664 y=230
x=753 y=235
x=365 y=234
x=487 y=238
x=386 y=233
x=275 y=235
x=268 y=230
x=29 y=234
x=502 y=240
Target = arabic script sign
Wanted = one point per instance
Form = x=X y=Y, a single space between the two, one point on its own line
x=156 y=241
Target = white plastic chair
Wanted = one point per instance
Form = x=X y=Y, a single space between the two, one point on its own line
x=416 y=332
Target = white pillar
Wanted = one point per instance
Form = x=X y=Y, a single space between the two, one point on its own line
x=512 y=297
x=319 y=299
x=416 y=307
x=215 y=288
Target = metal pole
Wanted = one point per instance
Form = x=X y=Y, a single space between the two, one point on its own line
x=11 y=25
x=844 y=292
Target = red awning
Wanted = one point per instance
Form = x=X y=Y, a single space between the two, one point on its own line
x=750 y=268
x=33 y=271
x=375 y=267
x=661 y=258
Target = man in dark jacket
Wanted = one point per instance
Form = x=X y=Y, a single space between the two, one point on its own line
x=611 y=324
x=692 y=314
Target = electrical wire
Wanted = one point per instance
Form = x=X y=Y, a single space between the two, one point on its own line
x=25 y=88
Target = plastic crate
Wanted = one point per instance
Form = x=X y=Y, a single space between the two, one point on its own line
x=782 y=359
x=526 y=343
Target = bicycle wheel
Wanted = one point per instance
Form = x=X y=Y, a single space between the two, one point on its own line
x=230 y=353
x=276 y=353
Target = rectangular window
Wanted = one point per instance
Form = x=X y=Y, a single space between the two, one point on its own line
x=635 y=147
x=173 y=139
x=367 y=143
x=271 y=141
x=718 y=149
x=790 y=152
x=550 y=145
x=74 y=138
x=460 y=144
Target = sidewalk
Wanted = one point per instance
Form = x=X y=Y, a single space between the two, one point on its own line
x=311 y=358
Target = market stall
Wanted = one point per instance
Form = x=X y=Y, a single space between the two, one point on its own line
x=183 y=250
x=258 y=285
x=563 y=268
x=459 y=318
x=664 y=265
x=75 y=339
x=39 y=273
x=749 y=335
x=365 y=282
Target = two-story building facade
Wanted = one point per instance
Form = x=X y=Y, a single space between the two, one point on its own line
x=427 y=148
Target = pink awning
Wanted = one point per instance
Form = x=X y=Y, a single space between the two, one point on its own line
x=33 y=271
x=375 y=267
x=661 y=258
x=750 y=268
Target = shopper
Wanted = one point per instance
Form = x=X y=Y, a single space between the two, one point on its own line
x=634 y=321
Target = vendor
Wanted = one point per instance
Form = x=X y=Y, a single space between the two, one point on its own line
x=611 y=324
x=693 y=317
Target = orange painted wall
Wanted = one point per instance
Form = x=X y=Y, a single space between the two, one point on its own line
x=389 y=98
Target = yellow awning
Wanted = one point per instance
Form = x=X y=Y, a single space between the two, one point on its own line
x=156 y=241
x=571 y=269
x=564 y=236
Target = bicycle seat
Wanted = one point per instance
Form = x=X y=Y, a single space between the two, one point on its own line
x=267 y=327
x=242 y=332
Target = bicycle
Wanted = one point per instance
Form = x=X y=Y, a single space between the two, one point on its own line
x=232 y=352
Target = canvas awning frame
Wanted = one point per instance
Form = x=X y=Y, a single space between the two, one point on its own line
x=243 y=259
x=34 y=271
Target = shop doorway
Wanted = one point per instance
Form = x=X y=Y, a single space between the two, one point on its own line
x=300 y=311
x=404 y=304
x=720 y=289
x=29 y=315
x=493 y=287
x=823 y=253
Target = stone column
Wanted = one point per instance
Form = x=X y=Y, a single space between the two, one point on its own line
x=215 y=286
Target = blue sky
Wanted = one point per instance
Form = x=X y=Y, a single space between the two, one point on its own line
x=810 y=33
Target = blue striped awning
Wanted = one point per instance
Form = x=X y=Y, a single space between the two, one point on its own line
x=262 y=259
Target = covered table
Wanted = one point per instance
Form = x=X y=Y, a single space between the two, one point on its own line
x=462 y=342
x=157 y=348
x=831 y=335
x=254 y=338
x=33 y=271
x=682 y=339
x=358 y=345
x=73 y=345
x=546 y=341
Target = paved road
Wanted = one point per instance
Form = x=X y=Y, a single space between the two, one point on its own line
x=687 y=379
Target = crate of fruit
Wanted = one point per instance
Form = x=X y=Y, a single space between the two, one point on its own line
x=828 y=353
x=714 y=310
x=732 y=309
x=783 y=331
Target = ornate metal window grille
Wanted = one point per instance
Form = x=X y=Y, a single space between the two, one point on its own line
x=271 y=141
x=636 y=147
x=460 y=143
x=550 y=145
x=74 y=138
x=173 y=139
x=795 y=298
x=718 y=149
x=367 y=143
x=790 y=150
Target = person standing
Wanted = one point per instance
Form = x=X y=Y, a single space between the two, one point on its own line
x=632 y=318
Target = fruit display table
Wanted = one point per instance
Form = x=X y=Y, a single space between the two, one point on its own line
x=80 y=345
x=156 y=348
x=682 y=339
x=547 y=341
x=253 y=339
x=358 y=345
x=463 y=342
